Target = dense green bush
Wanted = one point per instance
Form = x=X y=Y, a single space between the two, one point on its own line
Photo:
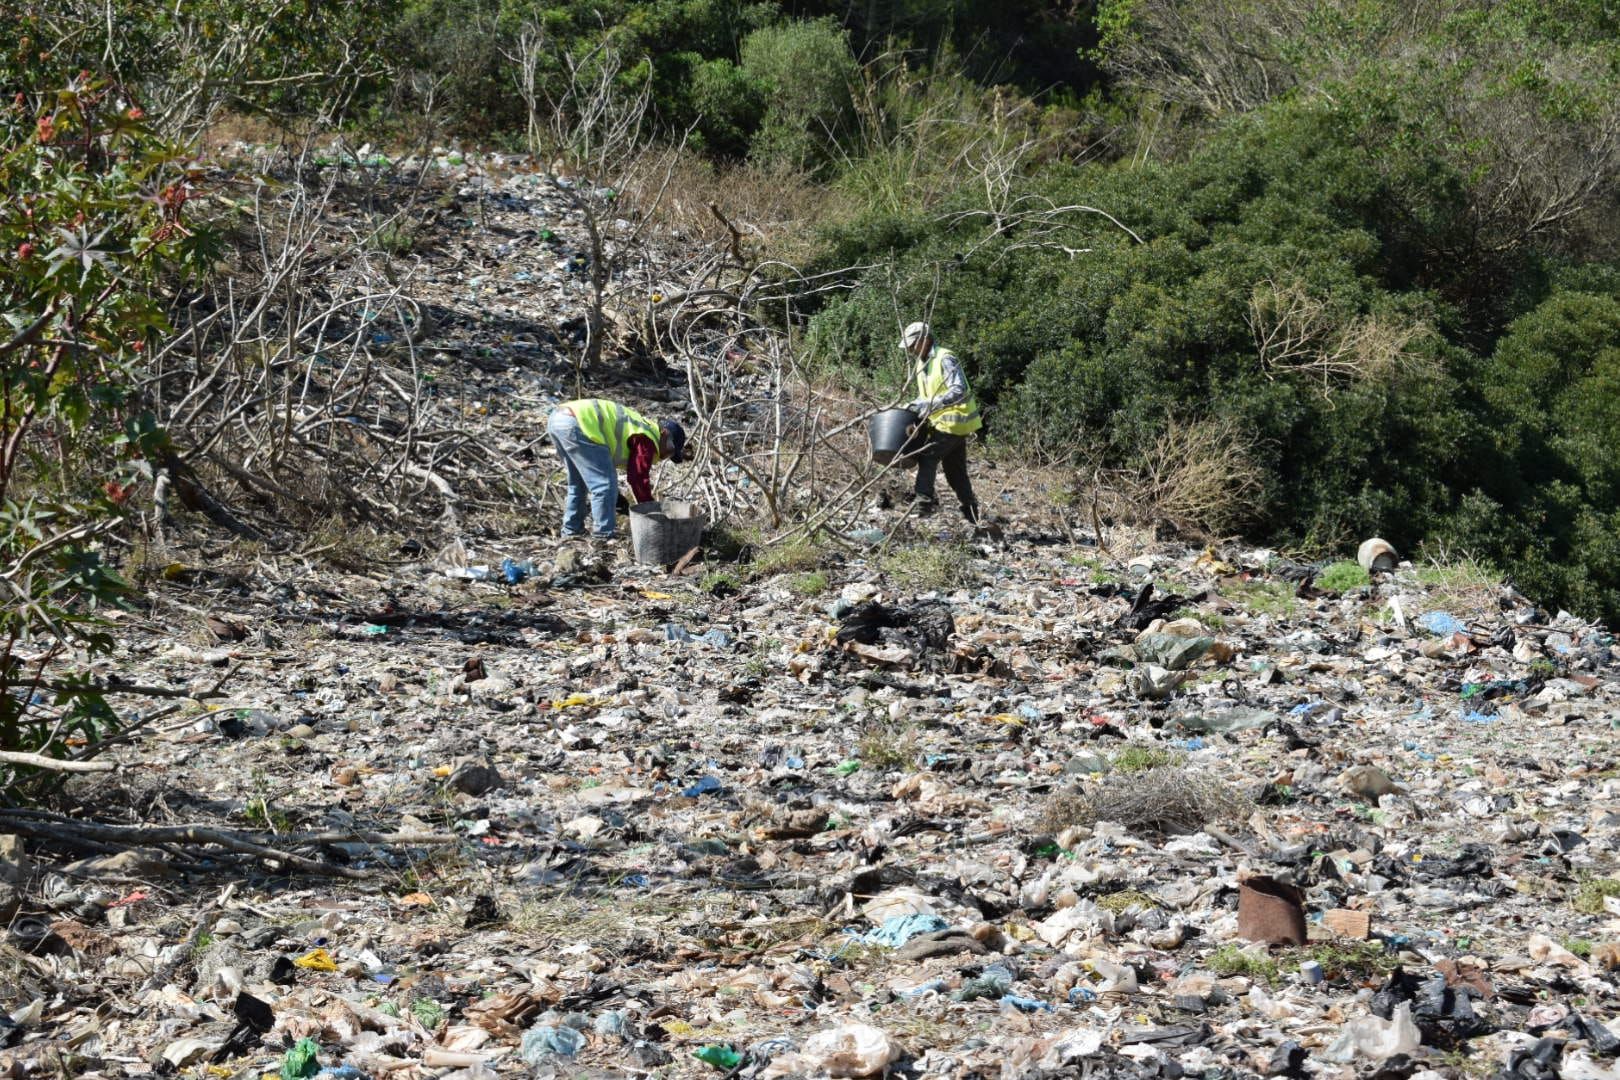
x=806 y=70
x=1086 y=343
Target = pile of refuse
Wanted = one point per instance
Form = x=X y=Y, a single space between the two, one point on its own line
x=1181 y=812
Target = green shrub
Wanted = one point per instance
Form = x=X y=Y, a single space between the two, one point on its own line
x=1591 y=893
x=728 y=105
x=806 y=69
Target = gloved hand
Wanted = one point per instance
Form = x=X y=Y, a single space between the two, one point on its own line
x=919 y=407
x=623 y=505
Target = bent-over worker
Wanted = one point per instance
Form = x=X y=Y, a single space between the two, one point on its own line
x=595 y=439
x=949 y=415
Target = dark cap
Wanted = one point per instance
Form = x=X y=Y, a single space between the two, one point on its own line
x=677 y=439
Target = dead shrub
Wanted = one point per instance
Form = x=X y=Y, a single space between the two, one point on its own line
x=769 y=212
x=1297 y=333
x=1166 y=799
x=1198 y=476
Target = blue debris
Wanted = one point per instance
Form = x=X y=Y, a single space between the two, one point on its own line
x=706 y=786
x=1024 y=1004
x=1441 y=623
x=515 y=572
x=551 y=1040
x=899 y=929
x=932 y=986
x=1474 y=716
x=716 y=637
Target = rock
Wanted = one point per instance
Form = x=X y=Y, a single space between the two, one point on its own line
x=474 y=778
x=1606 y=957
x=1369 y=783
x=13 y=860
x=938 y=943
x=136 y=864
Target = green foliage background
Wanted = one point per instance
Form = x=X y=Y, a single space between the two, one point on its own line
x=1104 y=207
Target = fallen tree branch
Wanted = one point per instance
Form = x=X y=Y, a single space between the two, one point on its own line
x=64 y=830
x=41 y=761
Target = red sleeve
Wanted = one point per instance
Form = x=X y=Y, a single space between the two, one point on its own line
x=642 y=455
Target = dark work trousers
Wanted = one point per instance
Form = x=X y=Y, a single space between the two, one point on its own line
x=938 y=449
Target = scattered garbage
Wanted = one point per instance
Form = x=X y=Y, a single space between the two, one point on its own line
x=1157 y=811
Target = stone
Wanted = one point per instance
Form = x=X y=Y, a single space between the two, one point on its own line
x=475 y=779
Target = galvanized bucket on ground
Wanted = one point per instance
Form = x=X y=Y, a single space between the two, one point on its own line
x=661 y=532
x=888 y=431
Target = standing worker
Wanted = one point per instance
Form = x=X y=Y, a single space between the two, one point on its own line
x=596 y=438
x=949 y=415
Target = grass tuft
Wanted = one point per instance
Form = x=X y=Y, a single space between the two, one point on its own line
x=1588 y=899
x=888 y=746
x=1229 y=960
x=931 y=567
x=812 y=584
x=799 y=556
x=1138 y=758
x=1352 y=959
x=1264 y=597
x=1342 y=577
x=1126 y=898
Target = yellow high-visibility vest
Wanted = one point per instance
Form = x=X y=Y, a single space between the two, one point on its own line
x=959 y=419
x=611 y=424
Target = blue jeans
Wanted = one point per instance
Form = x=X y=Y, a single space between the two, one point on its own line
x=590 y=469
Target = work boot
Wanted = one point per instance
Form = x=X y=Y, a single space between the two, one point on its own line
x=926 y=508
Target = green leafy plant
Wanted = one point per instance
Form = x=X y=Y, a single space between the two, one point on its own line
x=94 y=210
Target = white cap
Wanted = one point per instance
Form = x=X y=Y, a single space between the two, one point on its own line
x=914 y=333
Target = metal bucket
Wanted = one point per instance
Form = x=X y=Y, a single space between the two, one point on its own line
x=661 y=532
x=1376 y=556
x=888 y=431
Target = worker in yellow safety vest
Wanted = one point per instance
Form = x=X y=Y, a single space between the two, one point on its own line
x=949 y=415
x=595 y=439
